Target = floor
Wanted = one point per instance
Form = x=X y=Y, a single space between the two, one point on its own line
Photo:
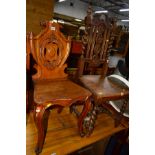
x=62 y=136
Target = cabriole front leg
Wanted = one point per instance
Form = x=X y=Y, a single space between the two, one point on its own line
x=41 y=120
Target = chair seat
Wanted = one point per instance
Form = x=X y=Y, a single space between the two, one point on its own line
x=105 y=89
x=63 y=92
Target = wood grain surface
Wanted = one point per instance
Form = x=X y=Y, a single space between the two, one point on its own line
x=62 y=135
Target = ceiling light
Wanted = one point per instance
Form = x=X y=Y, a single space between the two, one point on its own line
x=61 y=0
x=103 y=11
x=125 y=20
x=123 y=10
x=78 y=20
x=54 y=20
x=61 y=21
x=68 y=23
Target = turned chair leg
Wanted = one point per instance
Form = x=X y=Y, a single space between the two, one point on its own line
x=86 y=119
x=41 y=116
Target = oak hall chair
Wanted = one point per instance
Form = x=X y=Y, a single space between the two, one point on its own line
x=97 y=42
x=52 y=88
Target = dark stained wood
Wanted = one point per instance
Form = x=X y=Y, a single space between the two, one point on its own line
x=62 y=133
x=103 y=88
x=97 y=42
x=52 y=89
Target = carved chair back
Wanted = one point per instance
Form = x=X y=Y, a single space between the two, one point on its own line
x=50 y=50
x=97 y=42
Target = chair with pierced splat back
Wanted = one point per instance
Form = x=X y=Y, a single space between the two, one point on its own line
x=97 y=42
x=52 y=88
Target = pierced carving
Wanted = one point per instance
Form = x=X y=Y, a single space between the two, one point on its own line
x=50 y=50
x=97 y=40
x=50 y=54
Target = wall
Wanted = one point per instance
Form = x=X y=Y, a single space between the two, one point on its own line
x=36 y=11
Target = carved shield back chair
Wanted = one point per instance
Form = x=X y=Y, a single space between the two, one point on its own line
x=97 y=42
x=52 y=89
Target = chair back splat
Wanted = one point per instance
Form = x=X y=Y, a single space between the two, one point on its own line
x=50 y=50
x=93 y=66
x=97 y=42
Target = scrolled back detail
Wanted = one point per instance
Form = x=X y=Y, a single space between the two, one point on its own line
x=50 y=50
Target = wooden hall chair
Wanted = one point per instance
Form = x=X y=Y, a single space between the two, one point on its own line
x=97 y=42
x=52 y=88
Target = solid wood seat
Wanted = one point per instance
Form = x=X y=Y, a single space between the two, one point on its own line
x=110 y=94
x=97 y=44
x=51 y=86
x=60 y=92
x=104 y=88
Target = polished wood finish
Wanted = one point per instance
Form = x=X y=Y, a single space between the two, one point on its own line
x=52 y=89
x=104 y=88
x=62 y=133
x=50 y=50
x=97 y=41
x=58 y=91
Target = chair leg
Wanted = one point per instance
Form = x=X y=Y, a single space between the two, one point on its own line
x=86 y=119
x=41 y=120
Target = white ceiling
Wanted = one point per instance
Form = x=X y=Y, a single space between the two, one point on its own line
x=78 y=8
